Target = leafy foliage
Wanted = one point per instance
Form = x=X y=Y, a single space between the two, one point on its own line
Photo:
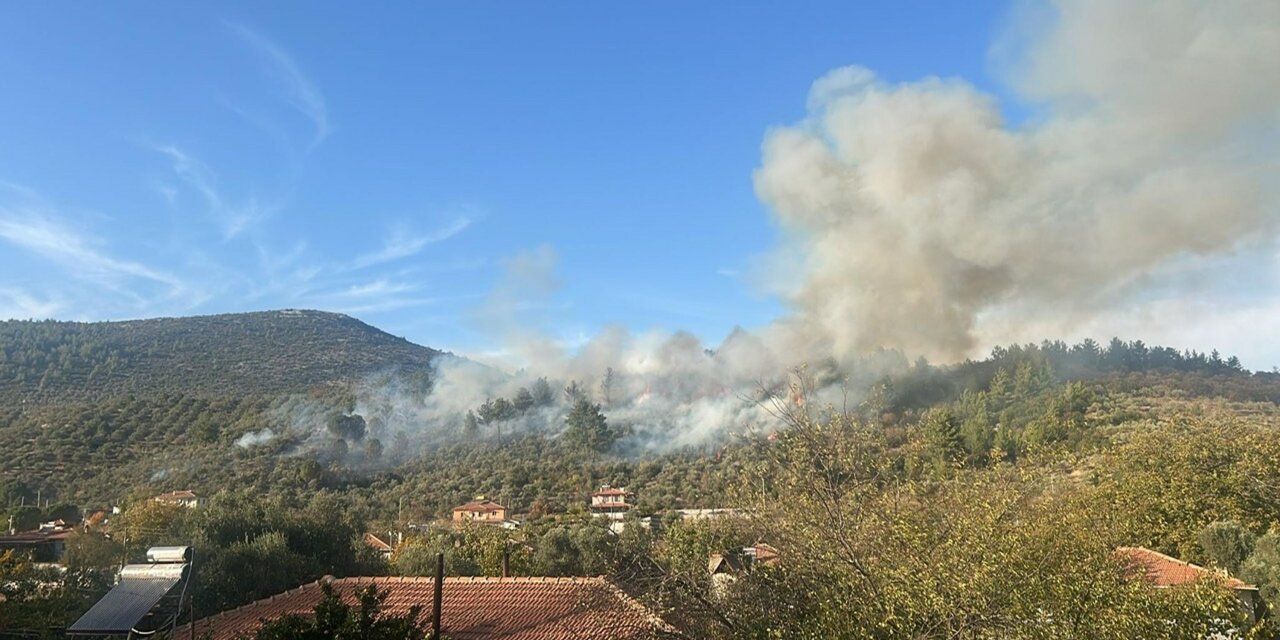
x=39 y=599
x=975 y=501
x=334 y=620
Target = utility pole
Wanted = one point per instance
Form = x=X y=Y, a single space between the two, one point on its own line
x=437 y=597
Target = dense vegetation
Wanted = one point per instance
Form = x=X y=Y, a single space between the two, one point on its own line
x=980 y=500
x=49 y=362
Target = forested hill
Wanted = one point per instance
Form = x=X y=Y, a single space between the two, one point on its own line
x=246 y=353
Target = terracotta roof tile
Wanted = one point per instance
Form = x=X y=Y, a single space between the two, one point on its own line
x=1166 y=571
x=473 y=609
x=377 y=543
x=177 y=495
x=480 y=505
x=610 y=491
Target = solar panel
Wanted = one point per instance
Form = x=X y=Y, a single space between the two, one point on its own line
x=141 y=587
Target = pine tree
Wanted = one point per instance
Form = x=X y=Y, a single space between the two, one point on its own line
x=942 y=434
x=470 y=426
x=586 y=427
x=523 y=400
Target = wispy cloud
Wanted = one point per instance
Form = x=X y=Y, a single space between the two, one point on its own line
x=19 y=304
x=298 y=89
x=233 y=219
x=43 y=235
x=402 y=243
x=397 y=303
x=378 y=288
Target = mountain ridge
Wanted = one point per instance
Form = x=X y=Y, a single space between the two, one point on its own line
x=278 y=351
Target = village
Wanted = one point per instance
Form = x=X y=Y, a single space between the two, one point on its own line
x=154 y=597
x=479 y=607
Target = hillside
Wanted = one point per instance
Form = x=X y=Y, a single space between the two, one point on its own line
x=51 y=362
x=1049 y=451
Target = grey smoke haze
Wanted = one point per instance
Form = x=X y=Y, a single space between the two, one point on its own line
x=915 y=218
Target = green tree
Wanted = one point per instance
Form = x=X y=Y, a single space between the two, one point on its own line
x=586 y=428
x=25 y=518
x=347 y=427
x=542 y=393
x=869 y=550
x=93 y=551
x=523 y=401
x=495 y=412
x=942 y=435
x=417 y=556
x=68 y=513
x=334 y=620
x=1226 y=544
x=470 y=427
x=1262 y=567
x=557 y=555
x=14 y=492
x=39 y=598
x=372 y=450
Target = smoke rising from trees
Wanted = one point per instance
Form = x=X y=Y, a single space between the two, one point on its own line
x=916 y=219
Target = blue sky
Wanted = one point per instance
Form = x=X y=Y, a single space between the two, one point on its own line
x=383 y=161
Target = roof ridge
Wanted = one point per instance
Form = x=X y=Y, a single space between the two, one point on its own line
x=636 y=616
x=1230 y=580
x=636 y=605
x=209 y=620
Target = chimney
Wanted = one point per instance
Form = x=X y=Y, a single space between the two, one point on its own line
x=506 y=562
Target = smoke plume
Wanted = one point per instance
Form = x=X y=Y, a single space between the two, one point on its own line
x=917 y=218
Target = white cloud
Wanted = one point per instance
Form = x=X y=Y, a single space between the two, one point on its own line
x=301 y=93
x=377 y=288
x=21 y=305
x=402 y=243
x=65 y=246
x=232 y=219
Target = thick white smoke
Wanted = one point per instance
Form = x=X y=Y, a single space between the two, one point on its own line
x=923 y=220
x=915 y=218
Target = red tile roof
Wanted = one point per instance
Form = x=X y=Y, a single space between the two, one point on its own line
x=488 y=506
x=1166 y=571
x=473 y=609
x=377 y=543
x=766 y=554
x=610 y=491
x=34 y=537
x=177 y=495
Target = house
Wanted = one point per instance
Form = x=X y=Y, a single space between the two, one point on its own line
x=184 y=498
x=480 y=510
x=54 y=525
x=471 y=609
x=383 y=547
x=727 y=566
x=1164 y=571
x=710 y=514
x=610 y=502
x=45 y=545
